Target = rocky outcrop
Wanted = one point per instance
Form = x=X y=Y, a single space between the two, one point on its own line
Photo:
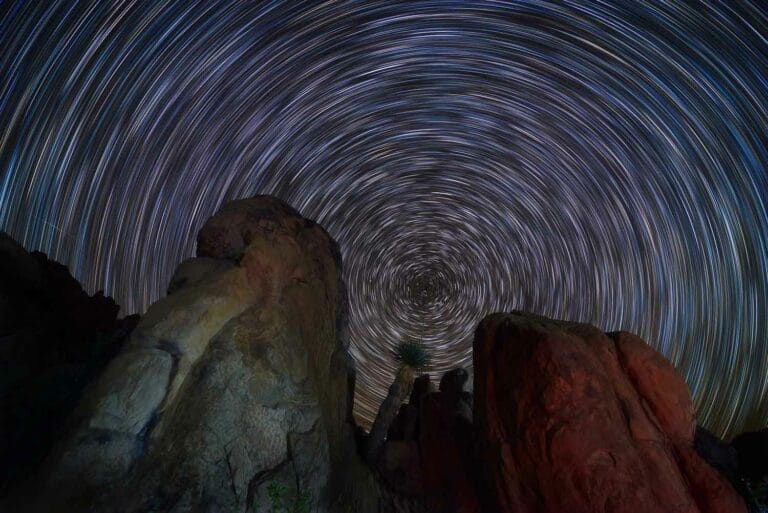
x=568 y=418
x=238 y=380
x=428 y=455
x=54 y=339
x=235 y=391
x=446 y=444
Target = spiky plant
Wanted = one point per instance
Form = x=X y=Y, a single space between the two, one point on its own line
x=412 y=354
x=412 y=357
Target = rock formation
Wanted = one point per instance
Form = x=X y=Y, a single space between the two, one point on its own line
x=428 y=455
x=569 y=419
x=446 y=443
x=235 y=391
x=54 y=339
x=237 y=380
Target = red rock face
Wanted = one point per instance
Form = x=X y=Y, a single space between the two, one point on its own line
x=569 y=419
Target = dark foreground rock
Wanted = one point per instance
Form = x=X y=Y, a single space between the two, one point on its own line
x=725 y=458
x=54 y=339
x=752 y=454
x=428 y=455
x=568 y=418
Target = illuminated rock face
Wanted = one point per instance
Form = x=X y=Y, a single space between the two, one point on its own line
x=239 y=378
x=568 y=418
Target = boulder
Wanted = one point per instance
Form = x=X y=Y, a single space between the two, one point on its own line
x=233 y=388
x=428 y=455
x=568 y=418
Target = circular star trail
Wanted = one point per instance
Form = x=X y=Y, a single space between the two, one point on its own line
x=601 y=162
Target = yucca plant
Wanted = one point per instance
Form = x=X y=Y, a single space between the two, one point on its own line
x=412 y=357
x=412 y=354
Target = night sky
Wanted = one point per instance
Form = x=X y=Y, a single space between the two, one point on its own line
x=601 y=162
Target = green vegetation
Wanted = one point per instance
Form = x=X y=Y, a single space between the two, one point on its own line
x=277 y=497
x=412 y=354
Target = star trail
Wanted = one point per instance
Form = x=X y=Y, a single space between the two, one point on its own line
x=594 y=161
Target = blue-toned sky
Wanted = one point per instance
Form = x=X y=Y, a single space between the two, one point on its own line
x=595 y=161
